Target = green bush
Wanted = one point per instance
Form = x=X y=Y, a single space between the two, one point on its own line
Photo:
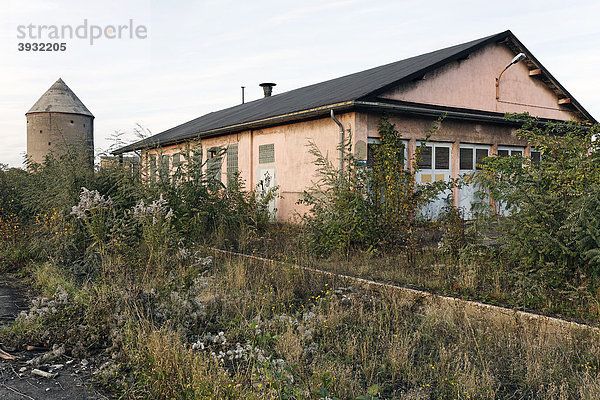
x=553 y=216
x=367 y=208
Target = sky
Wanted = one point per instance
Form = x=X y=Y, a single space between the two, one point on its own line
x=192 y=57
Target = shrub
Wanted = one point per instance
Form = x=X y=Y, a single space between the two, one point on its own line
x=366 y=209
x=552 y=208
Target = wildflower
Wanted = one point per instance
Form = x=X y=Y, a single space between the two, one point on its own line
x=90 y=200
x=154 y=211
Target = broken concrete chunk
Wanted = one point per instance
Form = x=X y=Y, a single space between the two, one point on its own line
x=43 y=374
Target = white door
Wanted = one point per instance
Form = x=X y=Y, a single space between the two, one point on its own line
x=267 y=181
x=470 y=158
x=434 y=166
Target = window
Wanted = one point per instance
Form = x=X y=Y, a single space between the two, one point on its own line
x=505 y=151
x=480 y=154
x=466 y=158
x=372 y=144
x=213 y=164
x=152 y=168
x=164 y=168
x=442 y=158
x=434 y=161
x=471 y=156
x=176 y=163
x=232 y=161
x=176 y=160
x=266 y=153
x=425 y=157
x=536 y=156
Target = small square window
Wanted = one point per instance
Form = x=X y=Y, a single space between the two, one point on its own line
x=266 y=153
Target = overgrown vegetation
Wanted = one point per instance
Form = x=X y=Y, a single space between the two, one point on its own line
x=128 y=284
x=366 y=209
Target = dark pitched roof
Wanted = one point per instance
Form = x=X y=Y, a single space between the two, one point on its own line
x=347 y=88
x=59 y=98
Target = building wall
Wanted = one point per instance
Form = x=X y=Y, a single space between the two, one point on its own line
x=293 y=166
x=55 y=132
x=468 y=83
x=471 y=83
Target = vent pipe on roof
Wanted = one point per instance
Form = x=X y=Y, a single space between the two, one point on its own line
x=267 y=88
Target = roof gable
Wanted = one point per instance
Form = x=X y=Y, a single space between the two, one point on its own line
x=470 y=84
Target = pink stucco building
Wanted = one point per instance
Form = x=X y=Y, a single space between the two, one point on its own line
x=266 y=139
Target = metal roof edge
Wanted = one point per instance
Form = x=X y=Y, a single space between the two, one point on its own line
x=261 y=123
x=461 y=114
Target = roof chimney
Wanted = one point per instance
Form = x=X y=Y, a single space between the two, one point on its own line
x=267 y=88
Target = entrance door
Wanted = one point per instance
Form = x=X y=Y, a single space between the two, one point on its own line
x=470 y=158
x=434 y=166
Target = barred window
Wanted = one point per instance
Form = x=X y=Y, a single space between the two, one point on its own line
x=176 y=160
x=466 y=158
x=152 y=161
x=213 y=164
x=480 y=154
x=442 y=158
x=266 y=153
x=232 y=161
x=425 y=157
x=164 y=168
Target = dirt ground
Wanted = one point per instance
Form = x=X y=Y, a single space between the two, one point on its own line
x=72 y=379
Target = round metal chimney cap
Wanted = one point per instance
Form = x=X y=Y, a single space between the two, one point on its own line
x=266 y=84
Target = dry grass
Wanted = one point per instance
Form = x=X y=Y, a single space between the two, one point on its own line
x=403 y=349
x=313 y=337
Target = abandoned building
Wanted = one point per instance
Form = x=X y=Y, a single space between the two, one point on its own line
x=59 y=121
x=474 y=84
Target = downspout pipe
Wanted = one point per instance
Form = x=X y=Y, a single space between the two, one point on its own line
x=341 y=145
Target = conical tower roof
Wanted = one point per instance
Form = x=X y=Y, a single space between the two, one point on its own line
x=60 y=98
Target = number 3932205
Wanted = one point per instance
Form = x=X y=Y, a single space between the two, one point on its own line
x=42 y=46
